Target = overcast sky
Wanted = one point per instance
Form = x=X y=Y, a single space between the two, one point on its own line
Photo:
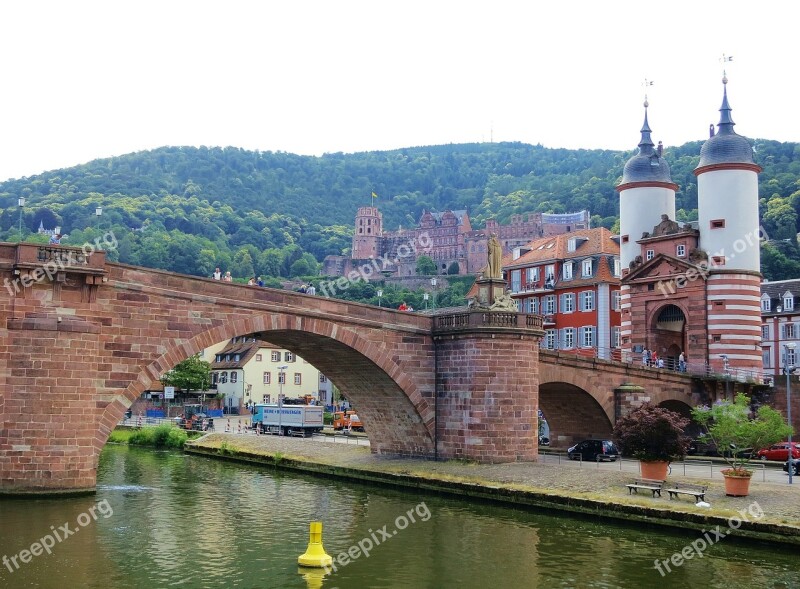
x=84 y=80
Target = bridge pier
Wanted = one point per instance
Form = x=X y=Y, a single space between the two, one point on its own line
x=487 y=387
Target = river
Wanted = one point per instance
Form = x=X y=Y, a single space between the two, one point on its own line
x=165 y=519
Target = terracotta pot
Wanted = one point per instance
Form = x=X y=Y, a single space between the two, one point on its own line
x=654 y=469
x=736 y=486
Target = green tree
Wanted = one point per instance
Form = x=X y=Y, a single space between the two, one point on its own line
x=453 y=268
x=242 y=266
x=193 y=374
x=426 y=266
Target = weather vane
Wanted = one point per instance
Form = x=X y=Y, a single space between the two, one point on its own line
x=646 y=84
x=723 y=60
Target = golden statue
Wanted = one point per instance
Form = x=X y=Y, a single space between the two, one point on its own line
x=495 y=269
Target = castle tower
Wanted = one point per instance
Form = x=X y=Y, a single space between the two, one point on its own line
x=368 y=234
x=727 y=187
x=645 y=194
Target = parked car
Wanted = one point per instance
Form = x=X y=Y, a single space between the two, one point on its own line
x=795 y=466
x=593 y=450
x=779 y=452
x=700 y=448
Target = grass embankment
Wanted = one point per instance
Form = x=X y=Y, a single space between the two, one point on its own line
x=160 y=436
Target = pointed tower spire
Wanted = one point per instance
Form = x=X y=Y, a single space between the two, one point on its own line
x=725 y=120
x=646 y=143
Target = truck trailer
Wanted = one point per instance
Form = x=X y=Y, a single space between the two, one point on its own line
x=287 y=420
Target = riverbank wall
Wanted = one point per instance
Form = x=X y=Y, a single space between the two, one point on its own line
x=545 y=487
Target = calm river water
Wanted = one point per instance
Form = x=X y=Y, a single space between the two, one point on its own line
x=164 y=519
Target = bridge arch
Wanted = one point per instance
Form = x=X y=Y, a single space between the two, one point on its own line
x=572 y=413
x=394 y=410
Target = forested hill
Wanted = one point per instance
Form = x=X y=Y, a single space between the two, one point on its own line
x=190 y=209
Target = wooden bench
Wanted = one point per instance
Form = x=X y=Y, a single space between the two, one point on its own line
x=652 y=485
x=697 y=491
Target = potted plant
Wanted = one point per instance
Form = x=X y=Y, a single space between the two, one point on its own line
x=731 y=426
x=653 y=435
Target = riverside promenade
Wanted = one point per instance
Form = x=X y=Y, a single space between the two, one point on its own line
x=543 y=485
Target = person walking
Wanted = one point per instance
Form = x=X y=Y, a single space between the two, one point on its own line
x=681 y=363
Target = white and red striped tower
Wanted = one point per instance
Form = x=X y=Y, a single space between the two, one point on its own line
x=727 y=187
x=645 y=193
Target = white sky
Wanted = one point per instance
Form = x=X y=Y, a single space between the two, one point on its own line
x=85 y=79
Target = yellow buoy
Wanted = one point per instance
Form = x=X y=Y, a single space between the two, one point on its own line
x=315 y=555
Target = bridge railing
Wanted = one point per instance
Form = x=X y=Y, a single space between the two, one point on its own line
x=472 y=319
x=702 y=369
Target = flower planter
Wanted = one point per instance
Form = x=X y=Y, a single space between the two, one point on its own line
x=737 y=483
x=654 y=469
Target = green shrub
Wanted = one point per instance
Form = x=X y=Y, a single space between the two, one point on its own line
x=327 y=418
x=176 y=438
x=161 y=436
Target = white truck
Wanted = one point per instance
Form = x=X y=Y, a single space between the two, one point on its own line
x=287 y=420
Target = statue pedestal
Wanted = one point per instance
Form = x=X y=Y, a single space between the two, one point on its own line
x=488 y=290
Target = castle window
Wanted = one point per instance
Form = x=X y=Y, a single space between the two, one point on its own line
x=625 y=239
x=718 y=224
x=716 y=338
x=680 y=250
x=650 y=254
x=718 y=260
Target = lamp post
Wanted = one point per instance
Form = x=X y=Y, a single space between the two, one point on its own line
x=725 y=370
x=21 y=204
x=789 y=347
x=425 y=298
x=281 y=378
x=433 y=285
x=380 y=294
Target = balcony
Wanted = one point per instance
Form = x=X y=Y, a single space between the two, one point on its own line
x=534 y=287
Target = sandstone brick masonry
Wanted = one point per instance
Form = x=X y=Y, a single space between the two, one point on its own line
x=77 y=348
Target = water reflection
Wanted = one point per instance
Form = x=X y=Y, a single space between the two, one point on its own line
x=194 y=522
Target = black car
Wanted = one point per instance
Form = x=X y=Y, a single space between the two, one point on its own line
x=795 y=466
x=593 y=450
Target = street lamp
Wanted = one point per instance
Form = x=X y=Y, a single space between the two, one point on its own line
x=425 y=298
x=790 y=346
x=433 y=285
x=380 y=294
x=725 y=370
x=98 y=212
x=21 y=204
x=281 y=378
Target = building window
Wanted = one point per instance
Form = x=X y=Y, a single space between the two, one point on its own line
x=586 y=335
x=617 y=267
x=515 y=280
x=587 y=300
x=765 y=332
x=586 y=268
x=265 y=399
x=267 y=377
x=223 y=377
x=276 y=357
x=533 y=275
x=566 y=271
x=567 y=302
x=550 y=305
x=533 y=303
x=788 y=331
x=323 y=378
x=550 y=272
x=766 y=357
x=716 y=338
x=550 y=339
x=625 y=239
x=572 y=244
x=234 y=375
x=766 y=304
x=258 y=357
x=650 y=254
x=718 y=224
x=790 y=358
x=567 y=338
x=281 y=378
x=615 y=337
x=214 y=377
x=288 y=357
x=788 y=303
x=616 y=300
x=680 y=250
x=718 y=260
x=298 y=378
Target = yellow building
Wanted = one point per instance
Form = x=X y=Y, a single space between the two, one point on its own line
x=248 y=371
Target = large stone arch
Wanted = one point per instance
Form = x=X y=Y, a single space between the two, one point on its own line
x=668 y=330
x=394 y=409
x=572 y=413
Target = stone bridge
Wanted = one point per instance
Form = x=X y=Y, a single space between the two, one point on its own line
x=81 y=338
